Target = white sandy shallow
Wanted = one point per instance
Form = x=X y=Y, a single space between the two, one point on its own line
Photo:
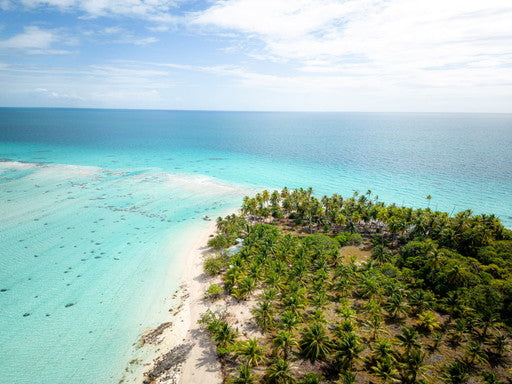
x=181 y=329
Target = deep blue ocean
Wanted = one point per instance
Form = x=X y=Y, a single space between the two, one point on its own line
x=98 y=205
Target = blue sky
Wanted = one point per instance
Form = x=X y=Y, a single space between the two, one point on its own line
x=321 y=55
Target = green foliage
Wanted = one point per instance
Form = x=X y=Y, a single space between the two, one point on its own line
x=280 y=373
x=347 y=238
x=311 y=378
x=435 y=284
x=220 y=242
x=215 y=264
x=228 y=230
x=314 y=343
x=220 y=331
x=214 y=292
x=252 y=352
x=244 y=376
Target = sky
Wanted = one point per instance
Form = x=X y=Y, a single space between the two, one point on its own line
x=313 y=55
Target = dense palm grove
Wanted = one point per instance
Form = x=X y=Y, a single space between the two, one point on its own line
x=432 y=302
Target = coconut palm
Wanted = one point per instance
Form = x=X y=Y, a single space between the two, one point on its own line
x=412 y=366
x=252 y=352
x=420 y=301
x=244 y=376
x=264 y=315
x=283 y=343
x=457 y=332
x=500 y=344
x=375 y=326
x=310 y=378
x=428 y=321
x=346 y=350
x=314 y=343
x=455 y=373
x=280 y=372
x=396 y=306
x=475 y=354
x=294 y=302
x=289 y=320
x=245 y=287
x=408 y=339
x=385 y=370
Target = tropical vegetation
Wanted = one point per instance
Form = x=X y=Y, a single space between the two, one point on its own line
x=351 y=290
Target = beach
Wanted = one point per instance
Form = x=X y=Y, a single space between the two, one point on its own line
x=178 y=350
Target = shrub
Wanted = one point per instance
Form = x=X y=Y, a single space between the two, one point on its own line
x=347 y=238
x=214 y=292
x=215 y=264
x=220 y=242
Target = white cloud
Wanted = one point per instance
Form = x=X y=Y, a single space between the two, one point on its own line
x=123 y=36
x=144 y=40
x=35 y=40
x=407 y=43
x=156 y=10
x=58 y=95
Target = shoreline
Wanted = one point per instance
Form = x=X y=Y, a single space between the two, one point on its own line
x=179 y=350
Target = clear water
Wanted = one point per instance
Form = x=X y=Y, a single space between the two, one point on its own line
x=96 y=206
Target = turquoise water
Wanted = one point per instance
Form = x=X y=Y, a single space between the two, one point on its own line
x=98 y=204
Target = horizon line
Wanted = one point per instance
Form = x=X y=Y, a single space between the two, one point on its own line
x=258 y=111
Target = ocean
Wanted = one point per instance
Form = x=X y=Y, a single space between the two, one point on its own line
x=98 y=205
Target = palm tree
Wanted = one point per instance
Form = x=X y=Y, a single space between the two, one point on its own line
x=283 y=343
x=310 y=378
x=280 y=372
x=386 y=371
x=252 y=352
x=245 y=287
x=413 y=365
x=346 y=350
x=455 y=373
x=224 y=336
x=245 y=375
x=396 y=306
x=428 y=321
x=294 y=302
x=375 y=325
x=289 y=320
x=457 y=332
x=475 y=354
x=347 y=377
x=314 y=343
x=380 y=254
x=487 y=321
x=420 y=301
x=264 y=315
x=408 y=339
x=501 y=346
x=382 y=350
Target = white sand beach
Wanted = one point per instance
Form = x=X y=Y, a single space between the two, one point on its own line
x=178 y=351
